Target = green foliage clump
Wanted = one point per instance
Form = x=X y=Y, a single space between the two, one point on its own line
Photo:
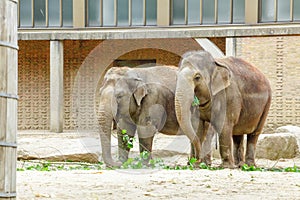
x=295 y=168
x=127 y=140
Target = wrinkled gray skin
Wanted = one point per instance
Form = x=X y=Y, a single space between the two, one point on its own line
x=234 y=97
x=139 y=100
x=105 y=111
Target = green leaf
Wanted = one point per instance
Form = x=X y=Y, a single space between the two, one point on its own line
x=124 y=131
x=192 y=161
x=129 y=145
x=145 y=155
x=203 y=166
x=196 y=101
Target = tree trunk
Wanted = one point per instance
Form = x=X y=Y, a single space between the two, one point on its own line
x=8 y=98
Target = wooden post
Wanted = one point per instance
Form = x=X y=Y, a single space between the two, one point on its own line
x=8 y=97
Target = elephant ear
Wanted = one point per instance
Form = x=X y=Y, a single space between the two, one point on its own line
x=221 y=76
x=140 y=93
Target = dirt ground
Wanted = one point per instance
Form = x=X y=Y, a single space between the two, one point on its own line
x=161 y=184
x=152 y=183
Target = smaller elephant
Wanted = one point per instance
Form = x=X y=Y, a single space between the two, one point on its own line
x=145 y=104
x=232 y=95
x=139 y=100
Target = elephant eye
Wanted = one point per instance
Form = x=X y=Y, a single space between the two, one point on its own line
x=197 y=77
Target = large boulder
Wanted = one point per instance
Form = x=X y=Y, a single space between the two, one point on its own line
x=284 y=143
x=58 y=148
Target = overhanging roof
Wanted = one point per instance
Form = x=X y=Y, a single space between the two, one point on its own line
x=159 y=32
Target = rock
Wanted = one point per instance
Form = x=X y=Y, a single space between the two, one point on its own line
x=288 y=129
x=276 y=146
x=59 y=149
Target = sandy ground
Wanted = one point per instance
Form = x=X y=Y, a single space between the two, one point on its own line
x=160 y=184
x=156 y=183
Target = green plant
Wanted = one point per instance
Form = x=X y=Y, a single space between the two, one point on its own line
x=295 y=168
x=142 y=161
x=196 y=101
x=58 y=166
x=126 y=139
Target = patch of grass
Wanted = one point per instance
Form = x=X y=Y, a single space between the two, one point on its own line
x=295 y=168
x=139 y=162
x=58 y=166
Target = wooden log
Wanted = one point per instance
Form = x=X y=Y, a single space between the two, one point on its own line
x=8 y=97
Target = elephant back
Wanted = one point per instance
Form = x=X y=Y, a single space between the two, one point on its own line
x=247 y=76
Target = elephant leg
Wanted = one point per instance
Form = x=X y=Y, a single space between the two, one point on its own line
x=238 y=151
x=206 y=144
x=251 y=147
x=201 y=130
x=146 y=134
x=146 y=146
x=226 y=147
x=123 y=146
x=253 y=138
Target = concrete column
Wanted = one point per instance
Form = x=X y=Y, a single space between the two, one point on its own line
x=163 y=13
x=251 y=11
x=209 y=46
x=56 y=86
x=231 y=47
x=78 y=13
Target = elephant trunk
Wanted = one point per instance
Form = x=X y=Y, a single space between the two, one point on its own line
x=184 y=97
x=105 y=122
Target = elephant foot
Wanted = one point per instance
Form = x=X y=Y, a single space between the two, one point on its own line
x=112 y=164
x=123 y=159
x=250 y=163
x=196 y=163
x=228 y=165
x=207 y=160
x=240 y=164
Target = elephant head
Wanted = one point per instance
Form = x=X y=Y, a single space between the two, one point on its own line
x=129 y=93
x=199 y=77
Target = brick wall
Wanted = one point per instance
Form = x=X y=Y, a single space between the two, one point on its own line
x=33 y=84
x=278 y=58
x=34 y=75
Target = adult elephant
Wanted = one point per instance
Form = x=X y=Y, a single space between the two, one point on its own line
x=139 y=100
x=231 y=94
x=105 y=111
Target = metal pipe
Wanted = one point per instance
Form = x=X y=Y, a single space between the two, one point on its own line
x=116 y=12
x=8 y=195
x=291 y=10
x=32 y=13
x=130 y=12
x=201 y=11
x=61 y=13
x=231 y=12
x=9 y=96
x=101 y=12
x=47 y=12
x=186 y=12
x=8 y=144
x=144 y=13
x=216 y=11
x=276 y=10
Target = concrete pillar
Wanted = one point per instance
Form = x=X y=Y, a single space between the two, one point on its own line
x=163 y=13
x=56 y=86
x=209 y=46
x=231 y=47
